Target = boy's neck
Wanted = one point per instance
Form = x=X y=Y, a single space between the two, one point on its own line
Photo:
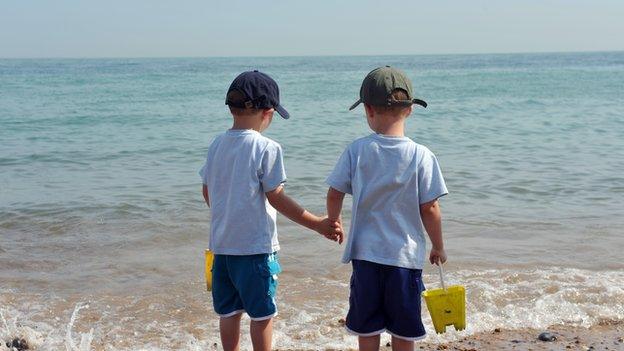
x=247 y=122
x=391 y=127
x=389 y=123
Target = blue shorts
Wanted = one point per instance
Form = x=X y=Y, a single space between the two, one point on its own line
x=245 y=284
x=385 y=298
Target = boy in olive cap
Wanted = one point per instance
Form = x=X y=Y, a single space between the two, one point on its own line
x=243 y=181
x=395 y=184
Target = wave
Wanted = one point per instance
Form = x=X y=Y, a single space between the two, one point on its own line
x=311 y=309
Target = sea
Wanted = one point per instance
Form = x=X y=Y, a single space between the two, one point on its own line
x=103 y=226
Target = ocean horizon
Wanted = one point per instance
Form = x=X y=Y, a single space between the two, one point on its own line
x=311 y=55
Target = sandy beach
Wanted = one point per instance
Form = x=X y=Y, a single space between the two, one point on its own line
x=43 y=332
x=606 y=336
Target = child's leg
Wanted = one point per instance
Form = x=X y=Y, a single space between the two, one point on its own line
x=365 y=317
x=261 y=334
x=227 y=304
x=402 y=306
x=402 y=344
x=229 y=327
x=369 y=343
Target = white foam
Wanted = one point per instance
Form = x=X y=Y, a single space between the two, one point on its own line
x=85 y=338
x=505 y=298
x=539 y=298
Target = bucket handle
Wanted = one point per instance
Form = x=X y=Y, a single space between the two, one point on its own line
x=441 y=271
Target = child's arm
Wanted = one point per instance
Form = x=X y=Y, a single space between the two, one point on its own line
x=334 y=207
x=205 y=193
x=432 y=220
x=291 y=209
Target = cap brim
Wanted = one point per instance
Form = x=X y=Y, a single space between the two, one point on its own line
x=420 y=102
x=355 y=104
x=282 y=112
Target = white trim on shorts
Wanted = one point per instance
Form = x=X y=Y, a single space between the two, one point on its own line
x=228 y=315
x=378 y=332
x=258 y=319
x=416 y=338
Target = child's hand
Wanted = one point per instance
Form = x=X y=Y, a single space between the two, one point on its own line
x=437 y=256
x=330 y=229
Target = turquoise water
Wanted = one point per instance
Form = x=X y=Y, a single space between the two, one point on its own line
x=99 y=158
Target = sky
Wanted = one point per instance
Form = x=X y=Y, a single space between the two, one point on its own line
x=203 y=28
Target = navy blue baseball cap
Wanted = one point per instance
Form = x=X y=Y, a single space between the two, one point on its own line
x=260 y=90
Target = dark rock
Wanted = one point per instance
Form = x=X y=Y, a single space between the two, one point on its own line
x=546 y=336
x=497 y=330
x=18 y=344
x=341 y=321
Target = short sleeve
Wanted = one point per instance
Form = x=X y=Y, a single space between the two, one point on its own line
x=203 y=173
x=340 y=177
x=272 y=172
x=430 y=181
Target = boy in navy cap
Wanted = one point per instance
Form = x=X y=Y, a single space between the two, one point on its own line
x=395 y=184
x=243 y=181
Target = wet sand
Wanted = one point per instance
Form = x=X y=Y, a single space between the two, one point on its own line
x=606 y=336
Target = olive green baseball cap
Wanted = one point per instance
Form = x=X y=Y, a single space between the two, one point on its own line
x=379 y=84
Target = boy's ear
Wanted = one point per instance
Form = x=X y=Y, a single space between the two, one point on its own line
x=268 y=112
x=369 y=110
x=409 y=111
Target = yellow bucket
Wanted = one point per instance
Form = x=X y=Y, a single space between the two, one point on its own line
x=209 y=259
x=447 y=306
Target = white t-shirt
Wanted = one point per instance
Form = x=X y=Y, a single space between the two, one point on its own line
x=241 y=166
x=389 y=177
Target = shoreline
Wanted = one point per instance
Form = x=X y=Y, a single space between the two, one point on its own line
x=182 y=315
x=606 y=335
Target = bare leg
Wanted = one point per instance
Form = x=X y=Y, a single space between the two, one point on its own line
x=230 y=332
x=369 y=343
x=402 y=345
x=261 y=334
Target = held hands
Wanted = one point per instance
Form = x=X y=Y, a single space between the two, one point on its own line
x=331 y=229
x=437 y=256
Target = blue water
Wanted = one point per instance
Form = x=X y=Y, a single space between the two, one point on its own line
x=99 y=161
x=519 y=136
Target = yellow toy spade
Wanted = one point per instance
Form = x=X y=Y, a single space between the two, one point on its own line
x=447 y=306
x=209 y=259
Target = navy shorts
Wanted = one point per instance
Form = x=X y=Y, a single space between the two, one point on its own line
x=245 y=284
x=385 y=298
